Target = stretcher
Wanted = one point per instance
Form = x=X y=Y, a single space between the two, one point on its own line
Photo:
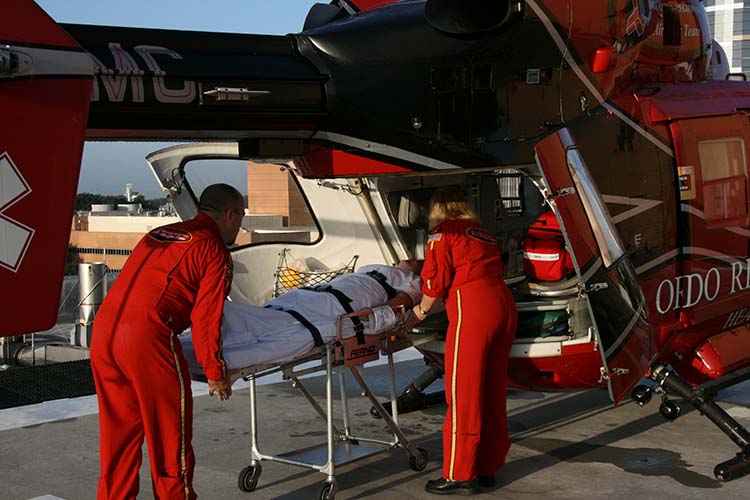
x=380 y=333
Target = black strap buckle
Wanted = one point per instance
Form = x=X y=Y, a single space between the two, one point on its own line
x=380 y=278
x=317 y=338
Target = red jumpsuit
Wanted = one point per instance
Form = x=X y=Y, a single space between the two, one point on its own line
x=463 y=265
x=177 y=275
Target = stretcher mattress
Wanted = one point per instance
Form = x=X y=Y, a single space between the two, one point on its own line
x=255 y=335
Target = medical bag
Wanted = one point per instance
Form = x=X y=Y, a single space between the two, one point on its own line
x=544 y=255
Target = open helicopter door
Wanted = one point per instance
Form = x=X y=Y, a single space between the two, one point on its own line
x=326 y=230
x=607 y=277
x=45 y=90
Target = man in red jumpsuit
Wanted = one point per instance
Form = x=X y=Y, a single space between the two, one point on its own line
x=463 y=265
x=177 y=275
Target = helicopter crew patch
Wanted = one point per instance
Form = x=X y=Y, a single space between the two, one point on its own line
x=168 y=235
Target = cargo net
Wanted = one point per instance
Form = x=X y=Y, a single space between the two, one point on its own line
x=291 y=273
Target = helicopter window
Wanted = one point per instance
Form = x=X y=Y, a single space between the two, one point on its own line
x=605 y=233
x=724 y=177
x=200 y=173
x=276 y=209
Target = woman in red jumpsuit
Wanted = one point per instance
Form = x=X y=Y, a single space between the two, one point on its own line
x=463 y=266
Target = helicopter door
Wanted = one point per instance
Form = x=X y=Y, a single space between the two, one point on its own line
x=297 y=231
x=714 y=216
x=45 y=90
x=607 y=277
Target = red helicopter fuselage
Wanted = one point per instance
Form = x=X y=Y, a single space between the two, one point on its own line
x=641 y=156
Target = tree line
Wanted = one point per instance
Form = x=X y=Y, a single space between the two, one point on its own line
x=85 y=200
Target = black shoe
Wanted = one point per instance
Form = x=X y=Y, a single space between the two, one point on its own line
x=446 y=487
x=486 y=481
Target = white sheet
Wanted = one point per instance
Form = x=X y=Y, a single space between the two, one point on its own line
x=254 y=335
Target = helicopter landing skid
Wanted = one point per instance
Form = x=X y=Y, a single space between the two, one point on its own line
x=414 y=398
x=701 y=397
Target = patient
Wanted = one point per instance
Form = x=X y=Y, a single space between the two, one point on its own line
x=285 y=327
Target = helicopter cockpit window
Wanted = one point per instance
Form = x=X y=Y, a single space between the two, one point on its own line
x=724 y=177
x=275 y=211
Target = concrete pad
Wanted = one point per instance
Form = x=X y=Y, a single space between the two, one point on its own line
x=565 y=446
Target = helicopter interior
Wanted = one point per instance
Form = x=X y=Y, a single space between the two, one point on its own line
x=508 y=203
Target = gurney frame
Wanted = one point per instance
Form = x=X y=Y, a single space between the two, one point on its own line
x=342 y=446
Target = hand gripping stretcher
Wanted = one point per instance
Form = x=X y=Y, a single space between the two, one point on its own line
x=380 y=333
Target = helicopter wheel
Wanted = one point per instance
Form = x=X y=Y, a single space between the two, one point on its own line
x=641 y=395
x=670 y=410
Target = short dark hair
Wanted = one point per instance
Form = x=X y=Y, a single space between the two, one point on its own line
x=218 y=198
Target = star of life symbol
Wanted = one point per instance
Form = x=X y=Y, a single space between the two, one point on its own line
x=15 y=237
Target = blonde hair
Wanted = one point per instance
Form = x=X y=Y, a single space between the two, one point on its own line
x=449 y=203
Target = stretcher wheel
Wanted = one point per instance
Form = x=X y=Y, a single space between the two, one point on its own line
x=419 y=462
x=248 y=478
x=326 y=491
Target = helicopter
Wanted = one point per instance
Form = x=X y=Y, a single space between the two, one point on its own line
x=618 y=122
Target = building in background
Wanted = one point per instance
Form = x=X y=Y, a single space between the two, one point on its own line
x=108 y=232
x=276 y=211
x=276 y=207
x=729 y=21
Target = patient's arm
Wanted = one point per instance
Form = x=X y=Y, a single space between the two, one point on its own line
x=401 y=299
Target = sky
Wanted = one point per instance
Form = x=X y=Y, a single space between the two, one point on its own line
x=107 y=167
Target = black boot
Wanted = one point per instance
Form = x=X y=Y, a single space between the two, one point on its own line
x=447 y=487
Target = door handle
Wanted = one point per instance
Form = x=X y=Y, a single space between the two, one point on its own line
x=13 y=63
